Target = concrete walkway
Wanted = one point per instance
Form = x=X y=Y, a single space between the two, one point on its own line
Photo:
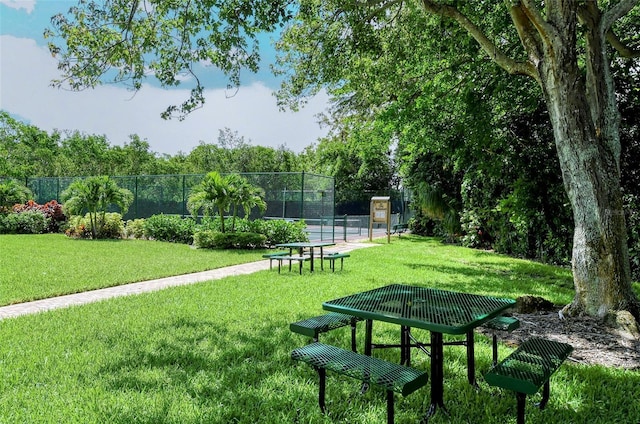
x=148 y=286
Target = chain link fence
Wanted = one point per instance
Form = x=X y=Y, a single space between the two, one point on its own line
x=292 y=196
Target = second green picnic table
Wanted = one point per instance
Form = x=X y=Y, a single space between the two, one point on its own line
x=310 y=245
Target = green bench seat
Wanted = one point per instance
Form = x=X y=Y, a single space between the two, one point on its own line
x=399 y=228
x=300 y=259
x=528 y=368
x=274 y=255
x=391 y=377
x=313 y=327
x=501 y=323
x=331 y=257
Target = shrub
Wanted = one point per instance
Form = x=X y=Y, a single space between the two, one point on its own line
x=110 y=226
x=4 y=225
x=249 y=240
x=77 y=228
x=28 y=222
x=95 y=195
x=51 y=209
x=208 y=239
x=135 y=228
x=244 y=225
x=171 y=228
x=273 y=231
x=632 y=207
x=205 y=239
x=281 y=231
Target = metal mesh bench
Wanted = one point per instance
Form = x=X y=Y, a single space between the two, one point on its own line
x=272 y=256
x=300 y=260
x=331 y=257
x=399 y=228
x=313 y=327
x=501 y=323
x=528 y=368
x=370 y=370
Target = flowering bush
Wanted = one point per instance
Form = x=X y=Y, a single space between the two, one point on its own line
x=51 y=210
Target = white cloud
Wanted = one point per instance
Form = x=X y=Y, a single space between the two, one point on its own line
x=27 y=5
x=25 y=76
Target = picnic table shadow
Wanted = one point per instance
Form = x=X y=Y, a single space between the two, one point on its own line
x=197 y=361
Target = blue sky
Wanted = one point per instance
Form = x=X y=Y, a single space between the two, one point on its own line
x=26 y=69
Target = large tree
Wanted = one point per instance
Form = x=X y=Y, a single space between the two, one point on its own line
x=565 y=46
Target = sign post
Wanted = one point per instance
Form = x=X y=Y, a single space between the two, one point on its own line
x=380 y=213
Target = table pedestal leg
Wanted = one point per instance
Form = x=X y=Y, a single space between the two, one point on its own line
x=437 y=376
x=471 y=360
x=368 y=329
x=405 y=346
x=311 y=253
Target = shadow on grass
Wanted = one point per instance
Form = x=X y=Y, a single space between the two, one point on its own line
x=200 y=371
x=196 y=371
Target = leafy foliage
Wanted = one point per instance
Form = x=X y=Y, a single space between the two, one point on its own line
x=12 y=193
x=209 y=239
x=126 y=42
x=26 y=222
x=135 y=228
x=217 y=193
x=281 y=231
x=211 y=196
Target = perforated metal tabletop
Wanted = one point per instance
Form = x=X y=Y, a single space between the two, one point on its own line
x=422 y=307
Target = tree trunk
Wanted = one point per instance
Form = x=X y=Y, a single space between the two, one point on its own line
x=585 y=124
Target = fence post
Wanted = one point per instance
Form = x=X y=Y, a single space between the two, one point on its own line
x=136 y=215
x=344 y=227
x=184 y=200
x=302 y=197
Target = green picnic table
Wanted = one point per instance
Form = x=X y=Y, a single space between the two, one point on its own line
x=439 y=311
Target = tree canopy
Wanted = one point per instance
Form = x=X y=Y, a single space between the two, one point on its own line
x=128 y=41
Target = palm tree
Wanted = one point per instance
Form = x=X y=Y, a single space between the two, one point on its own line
x=210 y=195
x=252 y=197
x=94 y=195
x=236 y=185
x=245 y=195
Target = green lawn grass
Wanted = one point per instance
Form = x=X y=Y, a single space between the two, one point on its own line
x=219 y=351
x=40 y=266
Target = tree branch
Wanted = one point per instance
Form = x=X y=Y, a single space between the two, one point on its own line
x=586 y=12
x=526 y=31
x=535 y=17
x=497 y=55
x=623 y=49
x=616 y=12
